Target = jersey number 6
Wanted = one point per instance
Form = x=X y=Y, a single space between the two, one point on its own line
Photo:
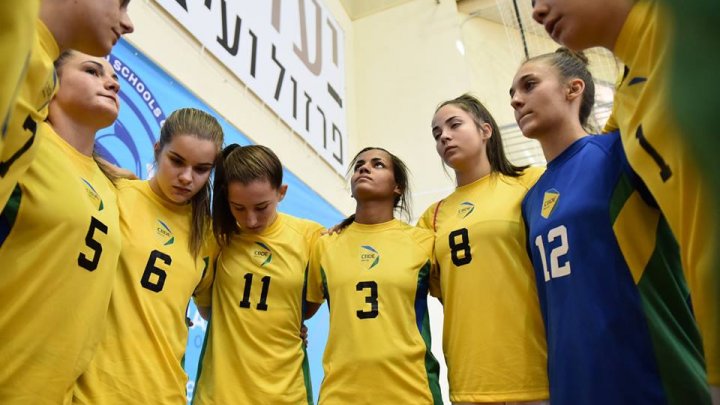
x=150 y=270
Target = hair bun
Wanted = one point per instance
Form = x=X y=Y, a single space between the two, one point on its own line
x=580 y=55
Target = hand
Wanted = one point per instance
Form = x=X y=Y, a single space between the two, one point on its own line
x=304 y=335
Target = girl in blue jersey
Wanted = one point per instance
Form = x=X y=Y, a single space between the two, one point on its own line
x=375 y=276
x=616 y=307
x=639 y=33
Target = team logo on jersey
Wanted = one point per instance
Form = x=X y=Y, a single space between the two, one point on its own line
x=94 y=196
x=549 y=202
x=368 y=254
x=262 y=255
x=466 y=208
x=163 y=233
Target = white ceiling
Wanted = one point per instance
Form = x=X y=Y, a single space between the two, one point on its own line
x=357 y=9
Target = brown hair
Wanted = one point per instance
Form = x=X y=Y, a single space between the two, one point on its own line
x=201 y=125
x=570 y=65
x=495 y=150
x=244 y=164
x=402 y=179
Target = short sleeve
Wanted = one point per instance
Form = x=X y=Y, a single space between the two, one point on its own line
x=315 y=291
x=203 y=292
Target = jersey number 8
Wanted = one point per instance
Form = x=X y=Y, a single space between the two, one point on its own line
x=461 y=246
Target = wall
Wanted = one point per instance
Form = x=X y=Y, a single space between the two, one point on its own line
x=168 y=44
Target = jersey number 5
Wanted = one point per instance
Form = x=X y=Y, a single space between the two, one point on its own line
x=92 y=263
x=556 y=270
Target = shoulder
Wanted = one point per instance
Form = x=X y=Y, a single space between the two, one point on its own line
x=425 y=238
x=301 y=226
x=608 y=144
x=530 y=176
x=428 y=218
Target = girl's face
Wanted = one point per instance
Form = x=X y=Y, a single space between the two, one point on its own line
x=459 y=141
x=582 y=24
x=183 y=167
x=539 y=99
x=254 y=205
x=89 y=91
x=97 y=25
x=373 y=177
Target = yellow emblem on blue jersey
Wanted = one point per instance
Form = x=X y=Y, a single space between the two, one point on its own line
x=93 y=194
x=466 y=208
x=262 y=255
x=549 y=202
x=163 y=233
x=368 y=254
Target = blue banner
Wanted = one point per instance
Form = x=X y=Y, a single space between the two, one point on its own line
x=147 y=96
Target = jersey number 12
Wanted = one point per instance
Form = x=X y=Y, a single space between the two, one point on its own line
x=556 y=270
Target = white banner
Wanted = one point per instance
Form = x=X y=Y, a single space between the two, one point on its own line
x=291 y=53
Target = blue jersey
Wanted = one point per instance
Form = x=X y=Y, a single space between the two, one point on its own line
x=617 y=311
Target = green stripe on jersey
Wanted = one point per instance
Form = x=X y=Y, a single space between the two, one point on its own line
x=306 y=377
x=9 y=213
x=432 y=367
x=326 y=292
x=674 y=333
x=202 y=355
x=623 y=190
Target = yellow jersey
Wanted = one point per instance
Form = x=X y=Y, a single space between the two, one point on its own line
x=140 y=359
x=493 y=333
x=656 y=150
x=59 y=247
x=376 y=279
x=17 y=35
x=253 y=352
x=31 y=108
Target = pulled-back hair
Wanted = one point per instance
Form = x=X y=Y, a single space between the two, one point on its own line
x=244 y=164
x=570 y=65
x=401 y=175
x=201 y=125
x=495 y=150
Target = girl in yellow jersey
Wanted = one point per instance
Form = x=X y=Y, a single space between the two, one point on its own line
x=493 y=336
x=165 y=222
x=59 y=244
x=638 y=33
x=253 y=351
x=91 y=26
x=375 y=277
